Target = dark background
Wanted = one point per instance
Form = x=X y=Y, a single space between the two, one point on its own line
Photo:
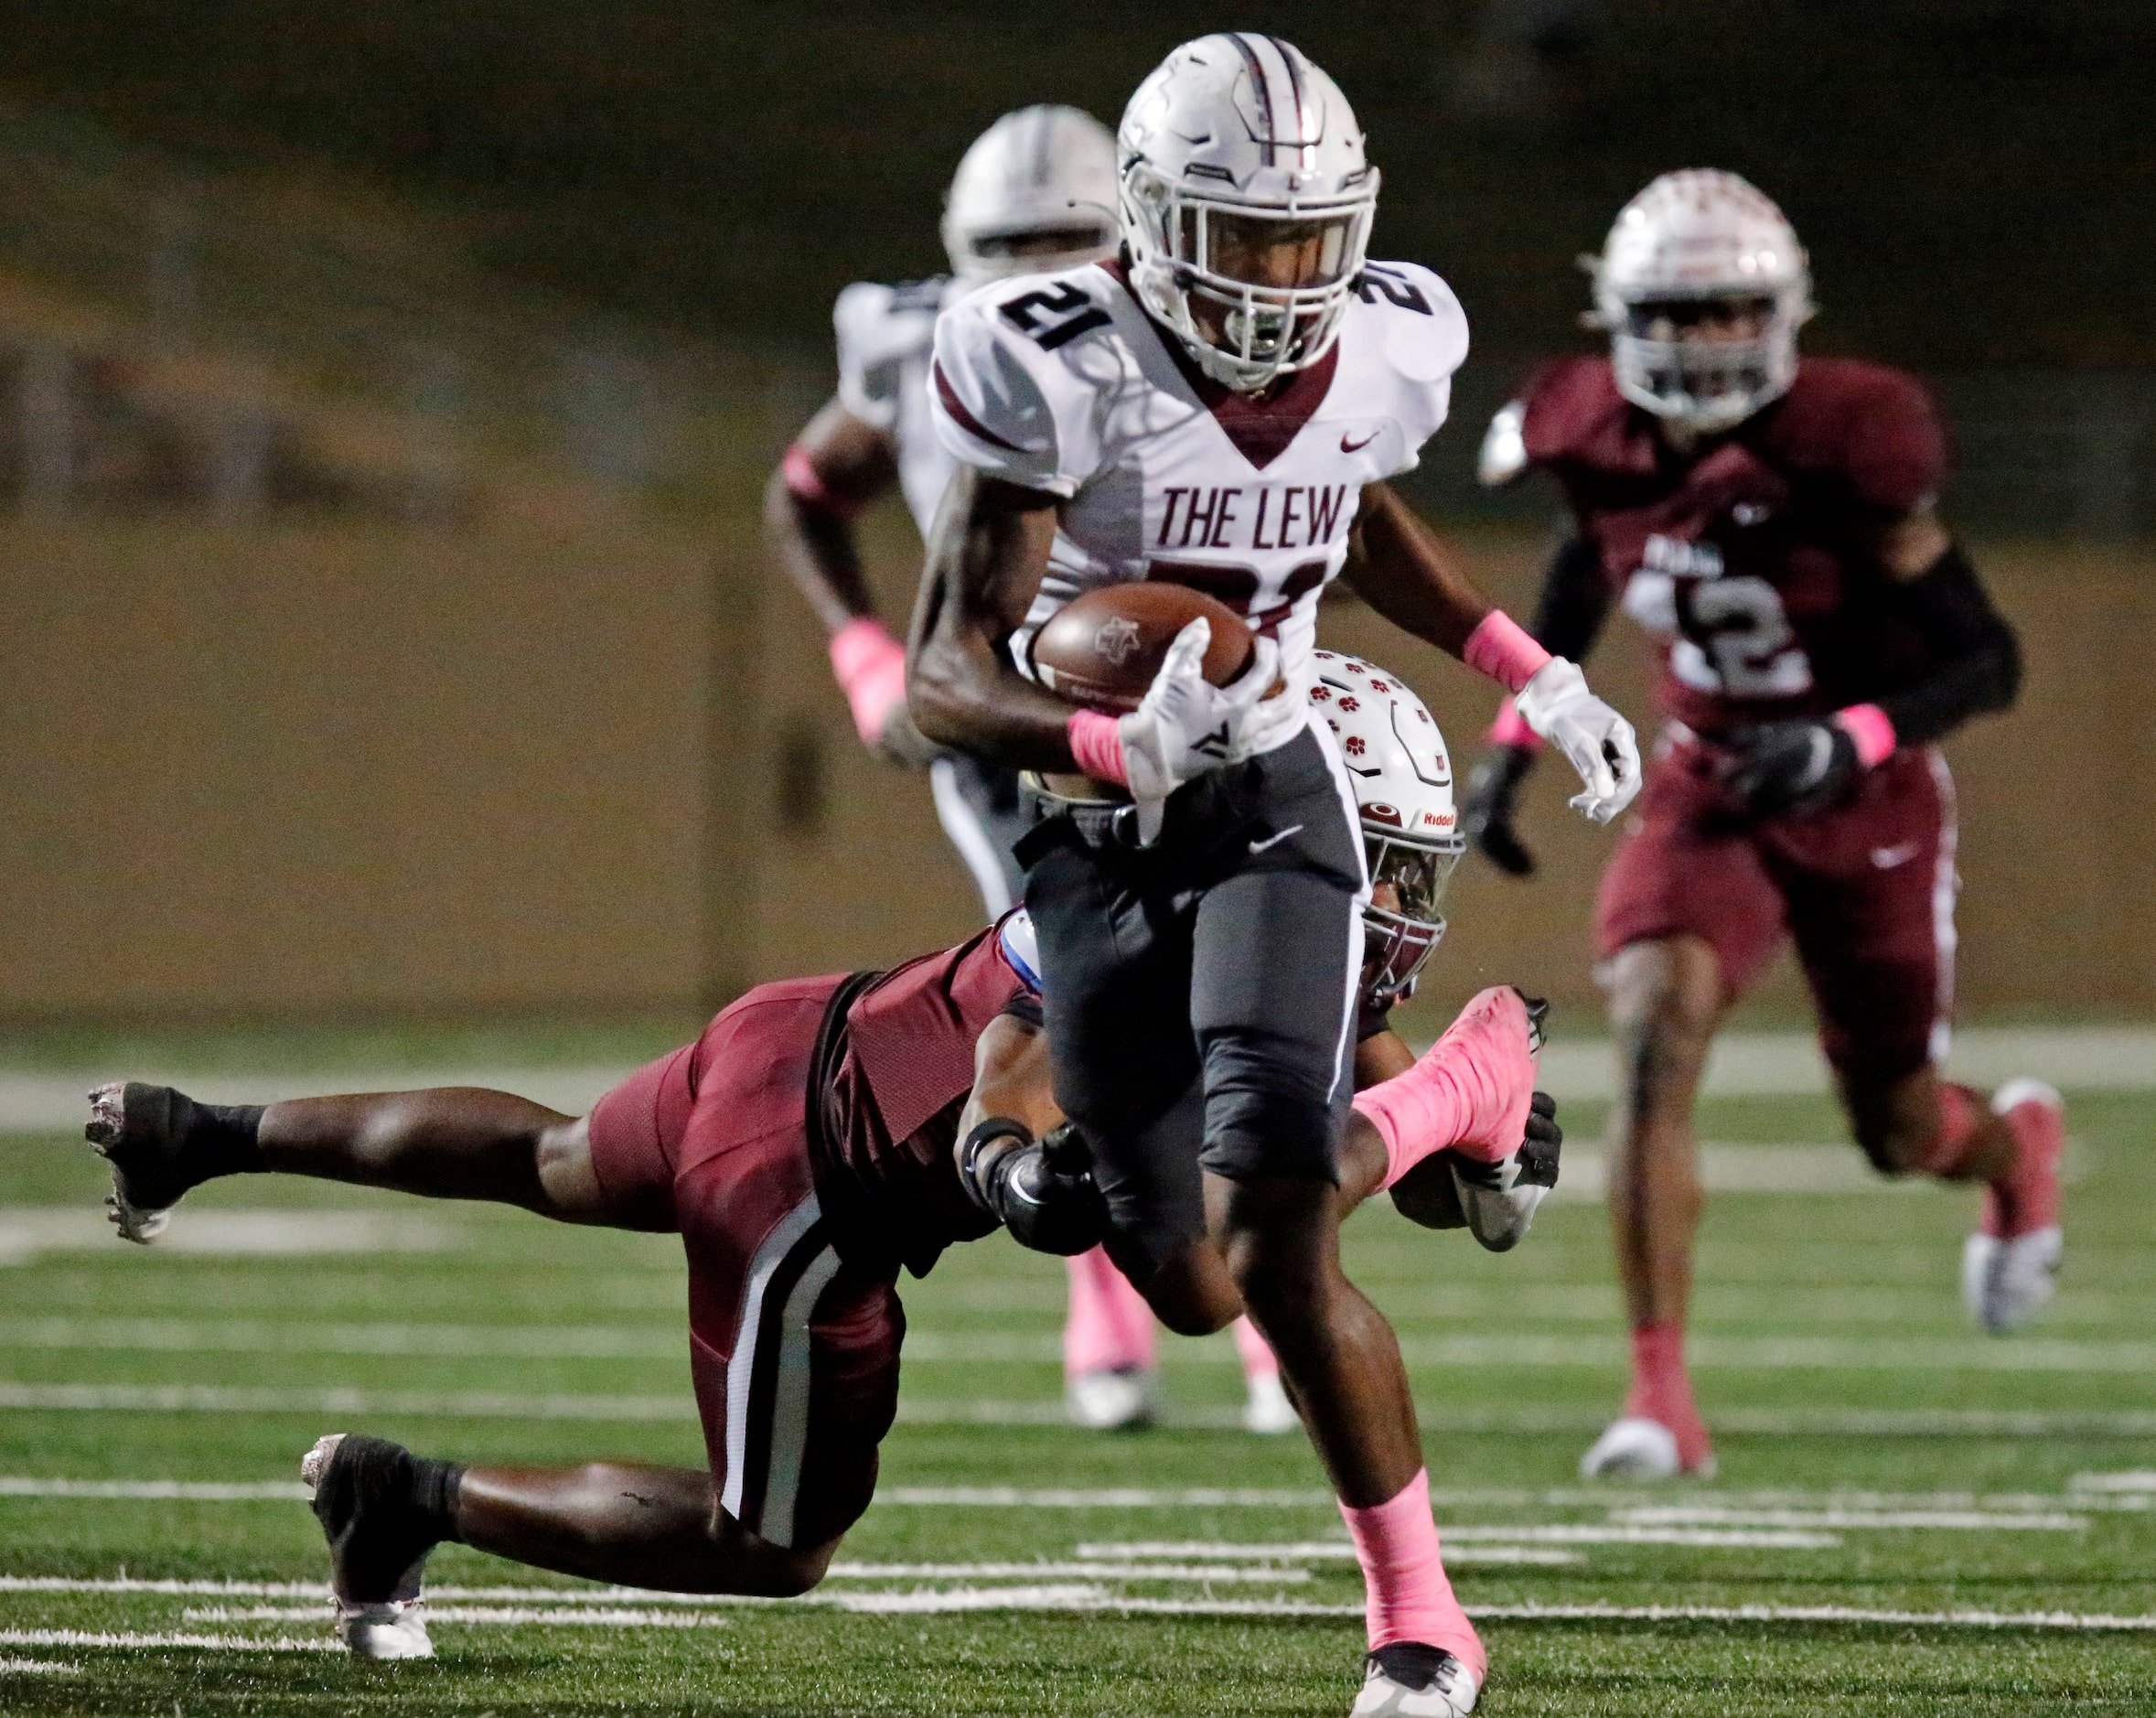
x=1977 y=181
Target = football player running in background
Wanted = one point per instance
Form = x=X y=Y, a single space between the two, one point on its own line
x=1036 y=190
x=931 y=1124
x=1773 y=523
x=1220 y=407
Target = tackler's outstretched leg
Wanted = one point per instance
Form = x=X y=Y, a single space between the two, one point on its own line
x=454 y=1143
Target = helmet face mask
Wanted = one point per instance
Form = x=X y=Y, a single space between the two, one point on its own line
x=1703 y=287
x=1395 y=759
x=1401 y=925
x=1246 y=242
x=1034 y=193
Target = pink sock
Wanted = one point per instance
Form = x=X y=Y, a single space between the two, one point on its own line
x=1110 y=1327
x=2026 y=1198
x=1259 y=1359
x=1409 y=1597
x=1662 y=1389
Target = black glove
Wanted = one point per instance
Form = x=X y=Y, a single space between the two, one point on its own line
x=1493 y=791
x=1042 y=1191
x=1539 y=1151
x=1791 y=769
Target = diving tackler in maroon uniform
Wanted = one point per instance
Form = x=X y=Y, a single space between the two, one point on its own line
x=1772 y=524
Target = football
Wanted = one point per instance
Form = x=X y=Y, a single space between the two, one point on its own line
x=1102 y=649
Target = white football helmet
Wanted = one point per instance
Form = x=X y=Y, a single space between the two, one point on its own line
x=1694 y=237
x=1234 y=147
x=1036 y=192
x=1403 y=789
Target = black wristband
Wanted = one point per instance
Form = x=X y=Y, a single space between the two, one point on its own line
x=985 y=1134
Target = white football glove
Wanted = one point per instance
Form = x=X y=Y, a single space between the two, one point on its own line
x=1595 y=740
x=1187 y=725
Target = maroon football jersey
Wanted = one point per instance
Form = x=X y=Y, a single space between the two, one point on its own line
x=1751 y=558
x=891 y=1073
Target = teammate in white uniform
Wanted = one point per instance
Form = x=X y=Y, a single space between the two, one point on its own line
x=1036 y=189
x=1220 y=408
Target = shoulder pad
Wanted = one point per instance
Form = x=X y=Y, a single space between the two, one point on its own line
x=993 y=387
x=1424 y=331
x=1503 y=447
x=1021 y=948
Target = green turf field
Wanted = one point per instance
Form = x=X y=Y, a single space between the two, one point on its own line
x=1910 y=1518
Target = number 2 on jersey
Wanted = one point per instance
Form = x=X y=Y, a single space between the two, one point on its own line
x=1736 y=639
x=1027 y=311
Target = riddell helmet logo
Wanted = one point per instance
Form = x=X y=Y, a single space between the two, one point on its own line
x=1117 y=639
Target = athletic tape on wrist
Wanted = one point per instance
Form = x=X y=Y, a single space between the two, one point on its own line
x=1096 y=746
x=1870 y=730
x=1500 y=648
x=1511 y=728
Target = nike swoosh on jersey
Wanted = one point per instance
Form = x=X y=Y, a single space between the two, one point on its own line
x=1887 y=858
x=1274 y=840
x=1347 y=446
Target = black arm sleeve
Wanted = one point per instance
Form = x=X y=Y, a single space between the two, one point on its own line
x=1978 y=660
x=1574 y=603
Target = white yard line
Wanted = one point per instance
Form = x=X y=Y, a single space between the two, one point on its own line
x=2141 y=1481
x=586 y=1608
x=1932 y=1521
x=133 y=1642
x=2112 y=1057
x=157 y=1491
x=476 y=1615
x=39 y=1667
x=1544 y=1350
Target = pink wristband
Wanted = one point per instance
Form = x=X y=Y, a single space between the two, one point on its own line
x=1511 y=728
x=1500 y=648
x=805 y=483
x=1871 y=729
x=871 y=669
x=1096 y=746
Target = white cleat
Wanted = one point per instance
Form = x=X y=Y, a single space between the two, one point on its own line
x=380 y=1630
x=1637 y=1448
x=1117 y=1400
x=2005 y=1284
x=1415 y=1681
x=1267 y=1412
x=391 y=1630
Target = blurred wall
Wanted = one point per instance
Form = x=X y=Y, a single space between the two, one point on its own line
x=414 y=772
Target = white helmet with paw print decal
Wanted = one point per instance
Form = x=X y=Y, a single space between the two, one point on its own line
x=1403 y=791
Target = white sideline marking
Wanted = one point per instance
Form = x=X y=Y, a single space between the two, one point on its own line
x=60 y=1103
x=39 y=1667
x=1087 y=1569
x=476 y=1615
x=157 y=1491
x=1804 y=1614
x=1332 y=1551
x=1507 y=1534
x=27 y=1230
x=1586 y=1350
x=1936 y=1521
x=2143 y=1480
x=1045 y=1596
x=214 y=1643
x=1789 y=1064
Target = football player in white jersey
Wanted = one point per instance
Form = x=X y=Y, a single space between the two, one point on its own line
x=1221 y=407
x=1036 y=189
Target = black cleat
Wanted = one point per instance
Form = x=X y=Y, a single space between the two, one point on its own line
x=141 y=1131
x=369 y=1498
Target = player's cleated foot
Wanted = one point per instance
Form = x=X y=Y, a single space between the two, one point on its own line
x=2006 y=1282
x=382 y=1509
x=1636 y=1447
x=1409 y=1679
x=141 y=1131
x=2009 y=1265
x=1267 y=1410
x=1120 y=1398
x=1490 y=1049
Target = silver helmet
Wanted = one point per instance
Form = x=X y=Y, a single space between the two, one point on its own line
x=1696 y=242
x=1235 y=147
x=1035 y=193
x=1403 y=791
